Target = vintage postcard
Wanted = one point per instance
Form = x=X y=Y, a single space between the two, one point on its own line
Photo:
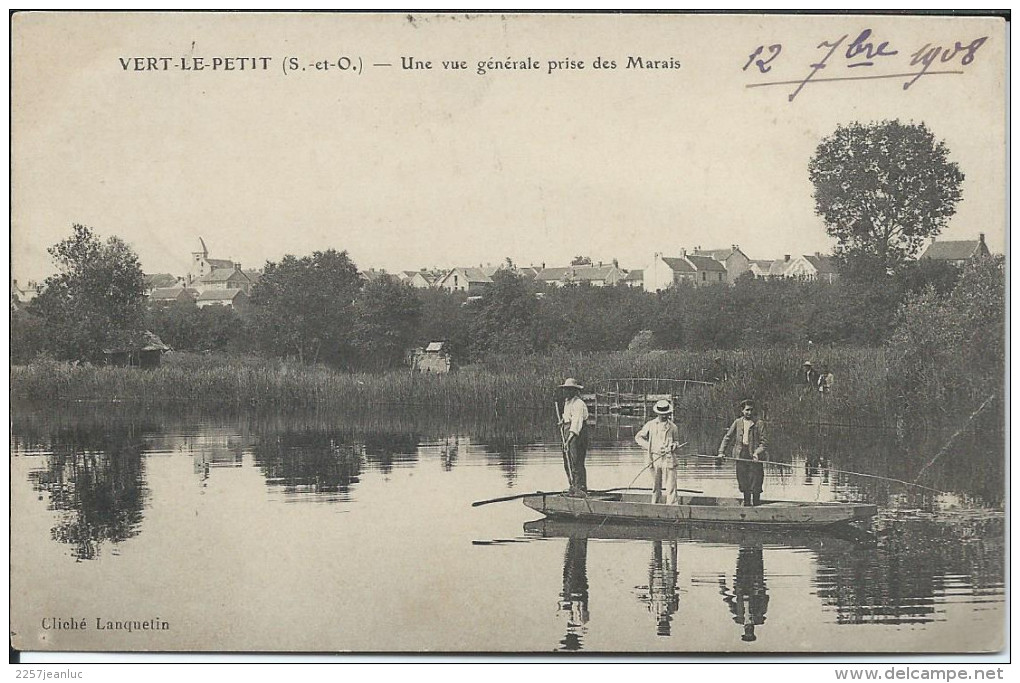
x=533 y=333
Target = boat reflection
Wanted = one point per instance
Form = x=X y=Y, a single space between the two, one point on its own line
x=745 y=594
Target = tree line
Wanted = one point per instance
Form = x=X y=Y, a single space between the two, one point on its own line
x=318 y=309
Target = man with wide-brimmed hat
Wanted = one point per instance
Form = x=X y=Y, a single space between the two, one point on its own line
x=660 y=440
x=574 y=426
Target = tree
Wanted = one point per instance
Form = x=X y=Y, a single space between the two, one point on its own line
x=387 y=314
x=505 y=319
x=304 y=307
x=883 y=188
x=581 y=261
x=97 y=294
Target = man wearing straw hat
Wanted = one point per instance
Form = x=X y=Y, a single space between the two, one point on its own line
x=660 y=439
x=574 y=426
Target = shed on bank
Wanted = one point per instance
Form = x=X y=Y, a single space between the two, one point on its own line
x=135 y=350
x=433 y=359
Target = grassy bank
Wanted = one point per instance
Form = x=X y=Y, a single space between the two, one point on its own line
x=500 y=384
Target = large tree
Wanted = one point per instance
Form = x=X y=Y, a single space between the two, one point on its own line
x=97 y=294
x=304 y=307
x=883 y=189
x=387 y=315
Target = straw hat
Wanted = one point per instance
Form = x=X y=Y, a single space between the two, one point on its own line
x=571 y=383
x=663 y=407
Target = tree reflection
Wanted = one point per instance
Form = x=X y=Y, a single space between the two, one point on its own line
x=308 y=463
x=100 y=491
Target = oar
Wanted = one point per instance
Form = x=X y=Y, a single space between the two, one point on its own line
x=518 y=496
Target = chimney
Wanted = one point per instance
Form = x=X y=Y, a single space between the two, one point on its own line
x=981 y=237
x=14 y=283
x=616 y=264
x=818 y=254
x=237 y=267
x=683 y=253
x=600 y=264
x=786 y=257
x=543 y=265
x=735 y=246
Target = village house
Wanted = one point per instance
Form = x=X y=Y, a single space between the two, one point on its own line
x=812 y=267
x=635 y=278
x=733 y=259
x=667 y=271
x=160 y=281
x=21 y=296
x=224 y=278
x=600 y=275
x=169 y=295
x=371 y=275
x=470 y=280
x=957 y=252
x=760 y=268
x=231 y=298
x=419 y=279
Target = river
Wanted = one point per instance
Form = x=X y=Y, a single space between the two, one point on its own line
x=237 y=531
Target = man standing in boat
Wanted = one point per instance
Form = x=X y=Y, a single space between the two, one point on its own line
x=574 y=426
x=745 y=440
x=660 y=439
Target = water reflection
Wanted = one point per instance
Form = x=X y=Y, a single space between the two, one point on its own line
x=748 y=599
x=903 y=573
x=309 y=464
x=99 y=492
x=574 y=596
x=663 y=598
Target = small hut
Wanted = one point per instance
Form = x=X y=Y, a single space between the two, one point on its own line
x=134 y=350
x=433 y=359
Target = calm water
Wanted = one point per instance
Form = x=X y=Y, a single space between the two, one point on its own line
x=356 y=533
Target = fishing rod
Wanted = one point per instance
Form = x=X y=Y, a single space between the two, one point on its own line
x=831 y=469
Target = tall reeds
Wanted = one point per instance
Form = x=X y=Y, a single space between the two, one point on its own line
x=499 y=384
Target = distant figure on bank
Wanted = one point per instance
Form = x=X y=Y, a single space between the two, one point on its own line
x=660 y=439
x=825 y=380
x=808 y=378
x=745 y=442
x=574 y=430
x=718 y=371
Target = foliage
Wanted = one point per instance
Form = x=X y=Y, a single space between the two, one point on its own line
x=304 y=307
x=948 y=351
x=504 y=319
x=185 y=327
x=97 y=293
x=883 y=188
x=387 y=314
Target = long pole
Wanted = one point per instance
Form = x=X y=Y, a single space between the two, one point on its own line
x=563 y=445
x=831 y=469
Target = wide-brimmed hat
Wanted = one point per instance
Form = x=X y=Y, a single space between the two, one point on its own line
x=663 y=407
x=807 y=362
x=571 y=383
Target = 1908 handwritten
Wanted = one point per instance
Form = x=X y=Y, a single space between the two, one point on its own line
x=864 y=51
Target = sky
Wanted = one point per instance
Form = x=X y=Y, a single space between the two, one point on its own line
x=412 y=168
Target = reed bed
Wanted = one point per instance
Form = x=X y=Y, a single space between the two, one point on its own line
x=499 y=385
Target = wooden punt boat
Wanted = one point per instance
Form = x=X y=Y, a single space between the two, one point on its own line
x=635 y=507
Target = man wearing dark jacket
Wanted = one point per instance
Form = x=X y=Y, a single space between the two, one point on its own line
x=745 y=441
